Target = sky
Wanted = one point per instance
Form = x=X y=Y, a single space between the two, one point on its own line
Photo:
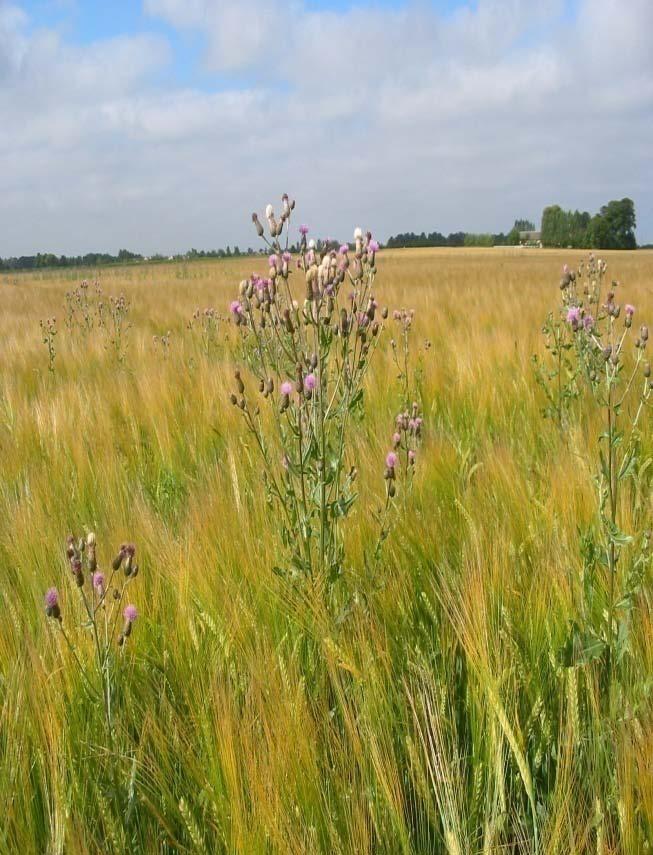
x=160 y=125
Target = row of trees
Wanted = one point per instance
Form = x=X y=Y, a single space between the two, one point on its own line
x=99 y=259
x=410 y=239
x=612 y=228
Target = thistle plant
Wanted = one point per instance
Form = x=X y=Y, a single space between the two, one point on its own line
x=205 y=324
x=81 y=308
x=557 y=373
x=609 y=354
x=161 y=344
x=307 y=357
x=108 y=622
x=49 y=334
x=117 y=326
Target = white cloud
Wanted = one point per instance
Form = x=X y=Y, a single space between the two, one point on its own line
x=401 y=117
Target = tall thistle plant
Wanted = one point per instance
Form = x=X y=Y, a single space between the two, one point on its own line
x=608 y=353
x=309 y=331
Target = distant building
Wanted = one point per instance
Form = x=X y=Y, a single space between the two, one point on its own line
x=530 y=238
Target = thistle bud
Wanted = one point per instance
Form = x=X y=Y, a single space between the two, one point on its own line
x=257 y=224
x=643 y=333
x=239 y=383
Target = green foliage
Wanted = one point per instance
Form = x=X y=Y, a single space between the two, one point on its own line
x=612 y=228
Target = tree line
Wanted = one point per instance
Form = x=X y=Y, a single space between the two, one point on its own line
x=455 y=239
x=44 y=260
x=613 y=227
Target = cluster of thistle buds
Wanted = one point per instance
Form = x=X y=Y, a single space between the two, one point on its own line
x=208 y=314
x=82 y=558
x=579 y=316
x=404 y=317
x=275 y=226
x=405 y=440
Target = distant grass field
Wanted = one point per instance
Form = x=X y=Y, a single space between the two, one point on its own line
x=437 y=718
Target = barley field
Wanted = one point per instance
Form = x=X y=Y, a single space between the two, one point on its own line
x=437 y=714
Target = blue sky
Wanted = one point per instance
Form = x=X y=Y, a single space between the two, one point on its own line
x=159 y=124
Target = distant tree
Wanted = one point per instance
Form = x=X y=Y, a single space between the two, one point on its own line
x=472 y=239
x=524 y=226
x=456 y=239
x=614 y=226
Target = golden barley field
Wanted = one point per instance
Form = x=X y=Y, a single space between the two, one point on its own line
x=439 y=716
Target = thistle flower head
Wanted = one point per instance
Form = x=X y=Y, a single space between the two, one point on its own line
x=411 y=456
x=588 y=322
x=344 y=249
x=273 y=260
x=130 y=613
x=98 y=581
x=236 y=308
x=269 y=211
x=303 y=230
x=573 y=315
x=373 y=246
x=391 y=460
x=286 y=387
x=629 y=310
x=51 y=598
x=358 y=233
x=310 y=382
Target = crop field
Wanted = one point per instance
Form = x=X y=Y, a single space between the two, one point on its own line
x=470 y=671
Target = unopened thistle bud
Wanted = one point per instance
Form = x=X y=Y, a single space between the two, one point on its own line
x=92 y=560
x=257 y=224
x=129 y=550
x=239 y=383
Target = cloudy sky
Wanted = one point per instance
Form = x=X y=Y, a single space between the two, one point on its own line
x=158 y=125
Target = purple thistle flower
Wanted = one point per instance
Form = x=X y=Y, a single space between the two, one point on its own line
x=629 y=310
x=344 y=249
x=130 y=613
x=310 y=382
x=286 y=387
x=396 y=439
x=98 y=581
x=373 y=246
x=573 y=315
x=287 y=257
x=303 y=230
x=273 y=260
x=51 y=598
x=588 y=322
x=391 y=460
x=52 y=609
x=411 y=456
x=236 y=308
